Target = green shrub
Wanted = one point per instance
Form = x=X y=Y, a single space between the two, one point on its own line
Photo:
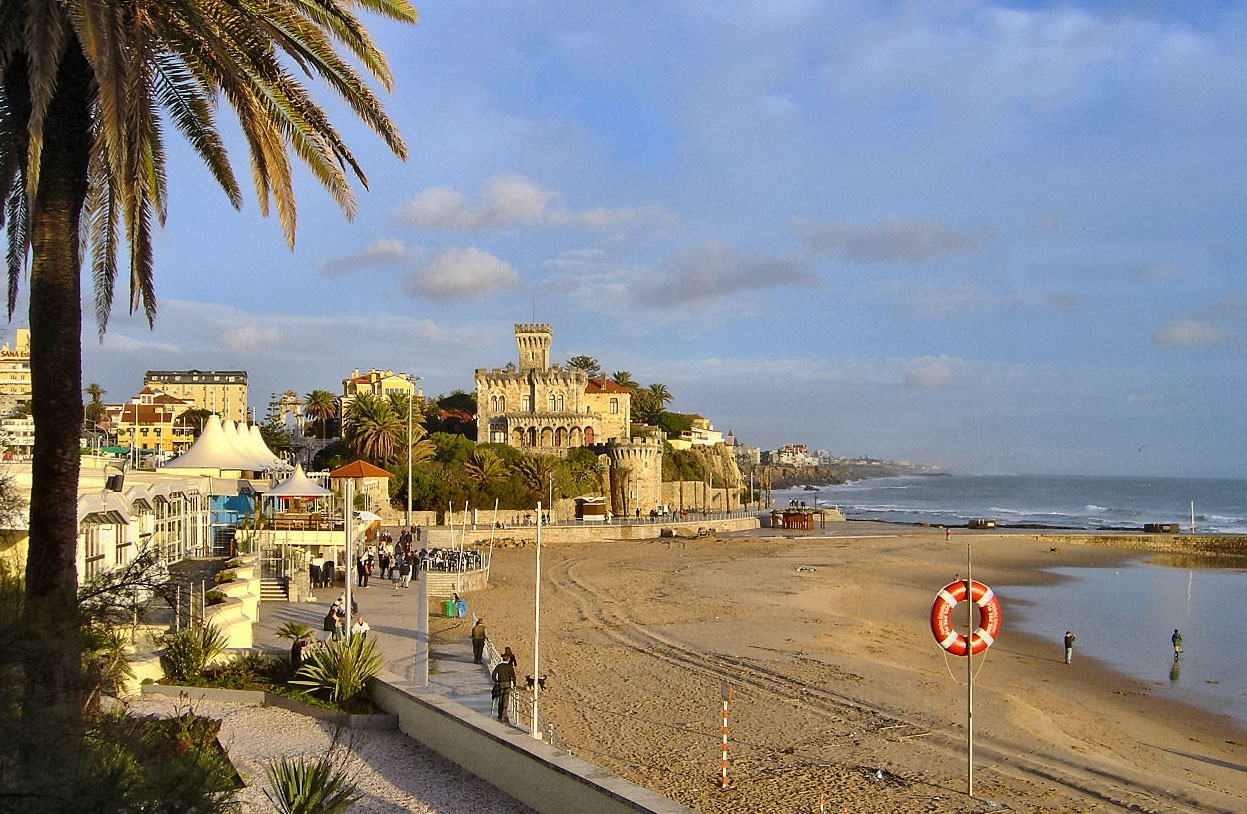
x=341 y=669
x=188 y=652
x=244 y=671
x=310 y=787
x=225 y=576
x=236 y=562
x=215 y=597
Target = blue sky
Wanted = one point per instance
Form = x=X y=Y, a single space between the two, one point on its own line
x=995 y=237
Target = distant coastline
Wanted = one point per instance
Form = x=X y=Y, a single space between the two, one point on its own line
x=786 y=476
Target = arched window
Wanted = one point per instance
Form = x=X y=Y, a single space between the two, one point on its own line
x=553 y=403
x=560 y=403
x=588 y=436
x=493 y=404
x=502 y=404
x=532 y=436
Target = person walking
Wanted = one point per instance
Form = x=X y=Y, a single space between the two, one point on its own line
x=504 y=682
x=1069 y=646
x=478 y=640
x=1176 y=638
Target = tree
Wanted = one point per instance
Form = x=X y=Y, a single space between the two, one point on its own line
x=373 y=430
x=660 y=394
x=484 y=467
x=86 y=87
x=320 y=405
x=198 y=418
x=94 y=411
x=624 y=378
x=586 y=363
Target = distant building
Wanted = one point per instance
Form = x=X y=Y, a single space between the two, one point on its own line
x=223 y=392
x=545 y=407
x=792 y=455
x=153 y=421
x=15 y=372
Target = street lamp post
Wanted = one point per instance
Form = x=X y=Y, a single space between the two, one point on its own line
x=411 y=398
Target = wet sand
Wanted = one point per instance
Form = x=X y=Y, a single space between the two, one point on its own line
x=838 y=688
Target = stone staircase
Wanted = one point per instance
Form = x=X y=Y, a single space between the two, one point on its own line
x=273 y=589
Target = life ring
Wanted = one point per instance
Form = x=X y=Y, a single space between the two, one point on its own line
x=952 y=595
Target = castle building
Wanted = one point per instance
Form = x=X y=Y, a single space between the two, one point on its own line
x=547 y=408
x=223 y=392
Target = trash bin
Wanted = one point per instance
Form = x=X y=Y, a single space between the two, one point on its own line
x=461 y=608
x=448 y=608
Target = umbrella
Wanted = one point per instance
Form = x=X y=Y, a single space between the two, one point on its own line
x=367 y=516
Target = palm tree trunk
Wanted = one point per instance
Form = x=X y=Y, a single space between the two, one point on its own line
x=54 y=685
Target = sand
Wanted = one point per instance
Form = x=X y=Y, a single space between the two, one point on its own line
x=839 y=692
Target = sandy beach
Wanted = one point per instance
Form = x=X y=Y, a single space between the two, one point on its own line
x=838 y=689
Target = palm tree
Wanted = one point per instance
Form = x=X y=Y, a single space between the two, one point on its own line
x=624 y=378
x=483 y=467
x=86 y=89
x=320 y=405
x=95 y=408
x=660 y=394
x=535 y=471
x=373 y=430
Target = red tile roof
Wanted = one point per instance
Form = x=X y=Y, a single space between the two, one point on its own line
x=605 y=385
x=359 y=469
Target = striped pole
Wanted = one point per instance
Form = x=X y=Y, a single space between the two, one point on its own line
x=726 y=693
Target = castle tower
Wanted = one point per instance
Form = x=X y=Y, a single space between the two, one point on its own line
x=635 y=473
x=533 y=342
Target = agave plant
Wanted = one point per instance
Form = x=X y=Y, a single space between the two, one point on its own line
x=301 y=786
x=340 y=669
x=188 y=652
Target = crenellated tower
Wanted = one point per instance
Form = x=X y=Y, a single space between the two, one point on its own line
x=533 y=342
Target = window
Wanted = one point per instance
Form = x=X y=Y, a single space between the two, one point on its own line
x=553 y=403
x=502 y=404
x=614 y=405
x=526 y=404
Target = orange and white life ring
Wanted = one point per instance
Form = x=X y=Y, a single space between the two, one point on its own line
x=953 y=594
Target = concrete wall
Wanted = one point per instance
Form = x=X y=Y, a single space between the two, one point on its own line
x=531 y=771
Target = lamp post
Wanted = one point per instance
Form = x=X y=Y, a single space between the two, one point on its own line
x=411 y=398
x=550 y=476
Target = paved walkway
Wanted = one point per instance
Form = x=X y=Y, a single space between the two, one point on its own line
x=393 y=614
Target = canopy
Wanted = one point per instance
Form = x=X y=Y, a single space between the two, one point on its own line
x=298 y=485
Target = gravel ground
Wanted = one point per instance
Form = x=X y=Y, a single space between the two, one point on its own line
x=393 y=772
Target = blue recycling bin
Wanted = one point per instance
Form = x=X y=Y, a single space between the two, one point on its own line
x=461 y=608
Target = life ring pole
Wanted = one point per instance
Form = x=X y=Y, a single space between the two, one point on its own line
x=969 y=677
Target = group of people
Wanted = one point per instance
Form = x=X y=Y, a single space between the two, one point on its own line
x=1068 y=641
x=336 y=620
x=503 y=674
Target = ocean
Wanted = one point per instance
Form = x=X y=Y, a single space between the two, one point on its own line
x=1122 y=615
x=1040 y=500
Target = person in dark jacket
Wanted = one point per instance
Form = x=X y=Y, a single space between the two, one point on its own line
x=478 y=640
x=504 y=682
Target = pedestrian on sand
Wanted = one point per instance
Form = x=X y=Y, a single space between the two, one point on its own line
x=1069 y=646
x=1176 y=638
x=504 y=682
x=478 y=640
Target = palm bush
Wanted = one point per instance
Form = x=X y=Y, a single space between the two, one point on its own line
x=340 y=669
x=296 y=631
x=191 y=650
x=310 y=787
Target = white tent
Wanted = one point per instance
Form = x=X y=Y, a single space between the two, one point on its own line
x=262 y=450
x=298 y=485
x=221 y=447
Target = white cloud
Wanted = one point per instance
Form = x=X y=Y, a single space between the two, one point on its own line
x=513 y=200
x=930 y=375
x=382 y=251
x=251 y=336
x=1189 y=333
x=912 y=241
x=461 y=274
x=714 y=271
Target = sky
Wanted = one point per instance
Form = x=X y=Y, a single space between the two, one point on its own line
x=992 y=237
